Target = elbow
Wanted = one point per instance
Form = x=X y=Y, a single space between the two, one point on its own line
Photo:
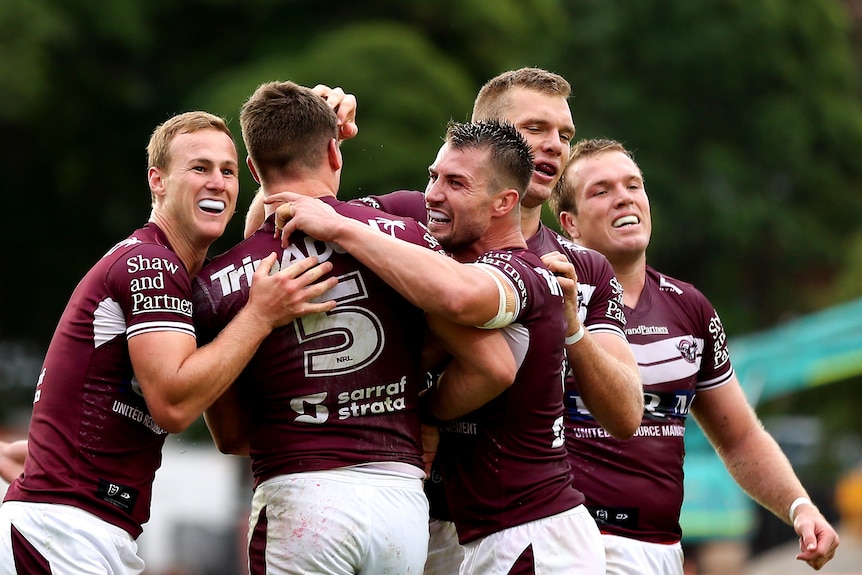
x=624 y=429
x=628 y=419
x=230 y=445
x=173 y=419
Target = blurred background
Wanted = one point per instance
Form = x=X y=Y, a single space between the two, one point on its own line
x=745 y=116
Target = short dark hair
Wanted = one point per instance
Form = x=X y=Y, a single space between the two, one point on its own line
x=511 y=158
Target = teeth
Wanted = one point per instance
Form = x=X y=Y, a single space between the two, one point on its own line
x=626 y=220
x=439 y=216
x=211 y=205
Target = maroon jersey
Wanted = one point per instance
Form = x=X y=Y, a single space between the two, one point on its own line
x=405 y=203
x=92 y=441
x=634 y=488
x=504 y=464
x=332 y=389
x=600 y=295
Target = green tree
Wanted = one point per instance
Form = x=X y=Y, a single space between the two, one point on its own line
x=745 y=117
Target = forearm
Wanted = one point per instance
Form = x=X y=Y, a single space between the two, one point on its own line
x=12 y=457
x=762 y=470
x=481 y=369
x=461 y=390
x=609 y=383
x=437 y=284
x=215 y=366
x=180 y=381
x=228 y=420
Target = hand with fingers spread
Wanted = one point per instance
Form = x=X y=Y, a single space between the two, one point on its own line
x=285 y=295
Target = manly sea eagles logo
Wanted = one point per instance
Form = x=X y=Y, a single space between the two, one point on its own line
x=688 y=350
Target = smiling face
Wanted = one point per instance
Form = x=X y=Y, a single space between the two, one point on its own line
x=613 y=211
x=457 y=197
x=196 y=194
x=545 y=120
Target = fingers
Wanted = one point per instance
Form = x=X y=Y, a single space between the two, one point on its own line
x=344 y=106
x=279 y=198
x=265 y=265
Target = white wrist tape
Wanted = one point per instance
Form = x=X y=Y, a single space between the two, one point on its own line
x=575 y=337
x=796 y=503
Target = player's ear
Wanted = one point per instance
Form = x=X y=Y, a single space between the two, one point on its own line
x=506 y=200
x=155 y=178
x=334 y=154
x=569 y=225
x=252 y=169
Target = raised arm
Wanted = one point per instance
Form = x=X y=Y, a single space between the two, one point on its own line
x=758 y=465
x=179 y=380
x=603 y=364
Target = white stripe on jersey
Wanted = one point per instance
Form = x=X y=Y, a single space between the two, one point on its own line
x=108 y=322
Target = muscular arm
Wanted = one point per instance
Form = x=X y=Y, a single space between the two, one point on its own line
x=464 y=294
x=608 y=381
x=603 y=364
x=481 y=369
x=179 y=380
x=758 y=465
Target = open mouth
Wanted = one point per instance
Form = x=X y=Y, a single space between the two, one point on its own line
x=547 y=170
x=212 y=206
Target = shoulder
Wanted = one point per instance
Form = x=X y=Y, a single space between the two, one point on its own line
x=407 y=203
x=144 y=254
x=683 y=292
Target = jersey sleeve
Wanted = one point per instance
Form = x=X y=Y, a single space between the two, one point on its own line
x=603 y=292
x=716 y=368
x=151 y=288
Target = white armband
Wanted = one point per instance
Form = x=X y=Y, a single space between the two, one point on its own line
x=575 y=337
x=796 y=503
x=506 y=309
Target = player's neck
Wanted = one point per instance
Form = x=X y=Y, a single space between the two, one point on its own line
x=306 y=186
x=631 y=274
x=498 y=237
x=530 y=220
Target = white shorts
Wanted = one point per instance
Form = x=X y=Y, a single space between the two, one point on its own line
x=42 y=538
x=568 y=542
x=444 y=552
x=627 y=556
x=338 y=522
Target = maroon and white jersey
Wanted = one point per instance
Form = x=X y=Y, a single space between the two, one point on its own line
x=634 y=488
x=92 y=441
x=405 y=203
x=600 y=295
x=332 y=389
x=504 y=464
